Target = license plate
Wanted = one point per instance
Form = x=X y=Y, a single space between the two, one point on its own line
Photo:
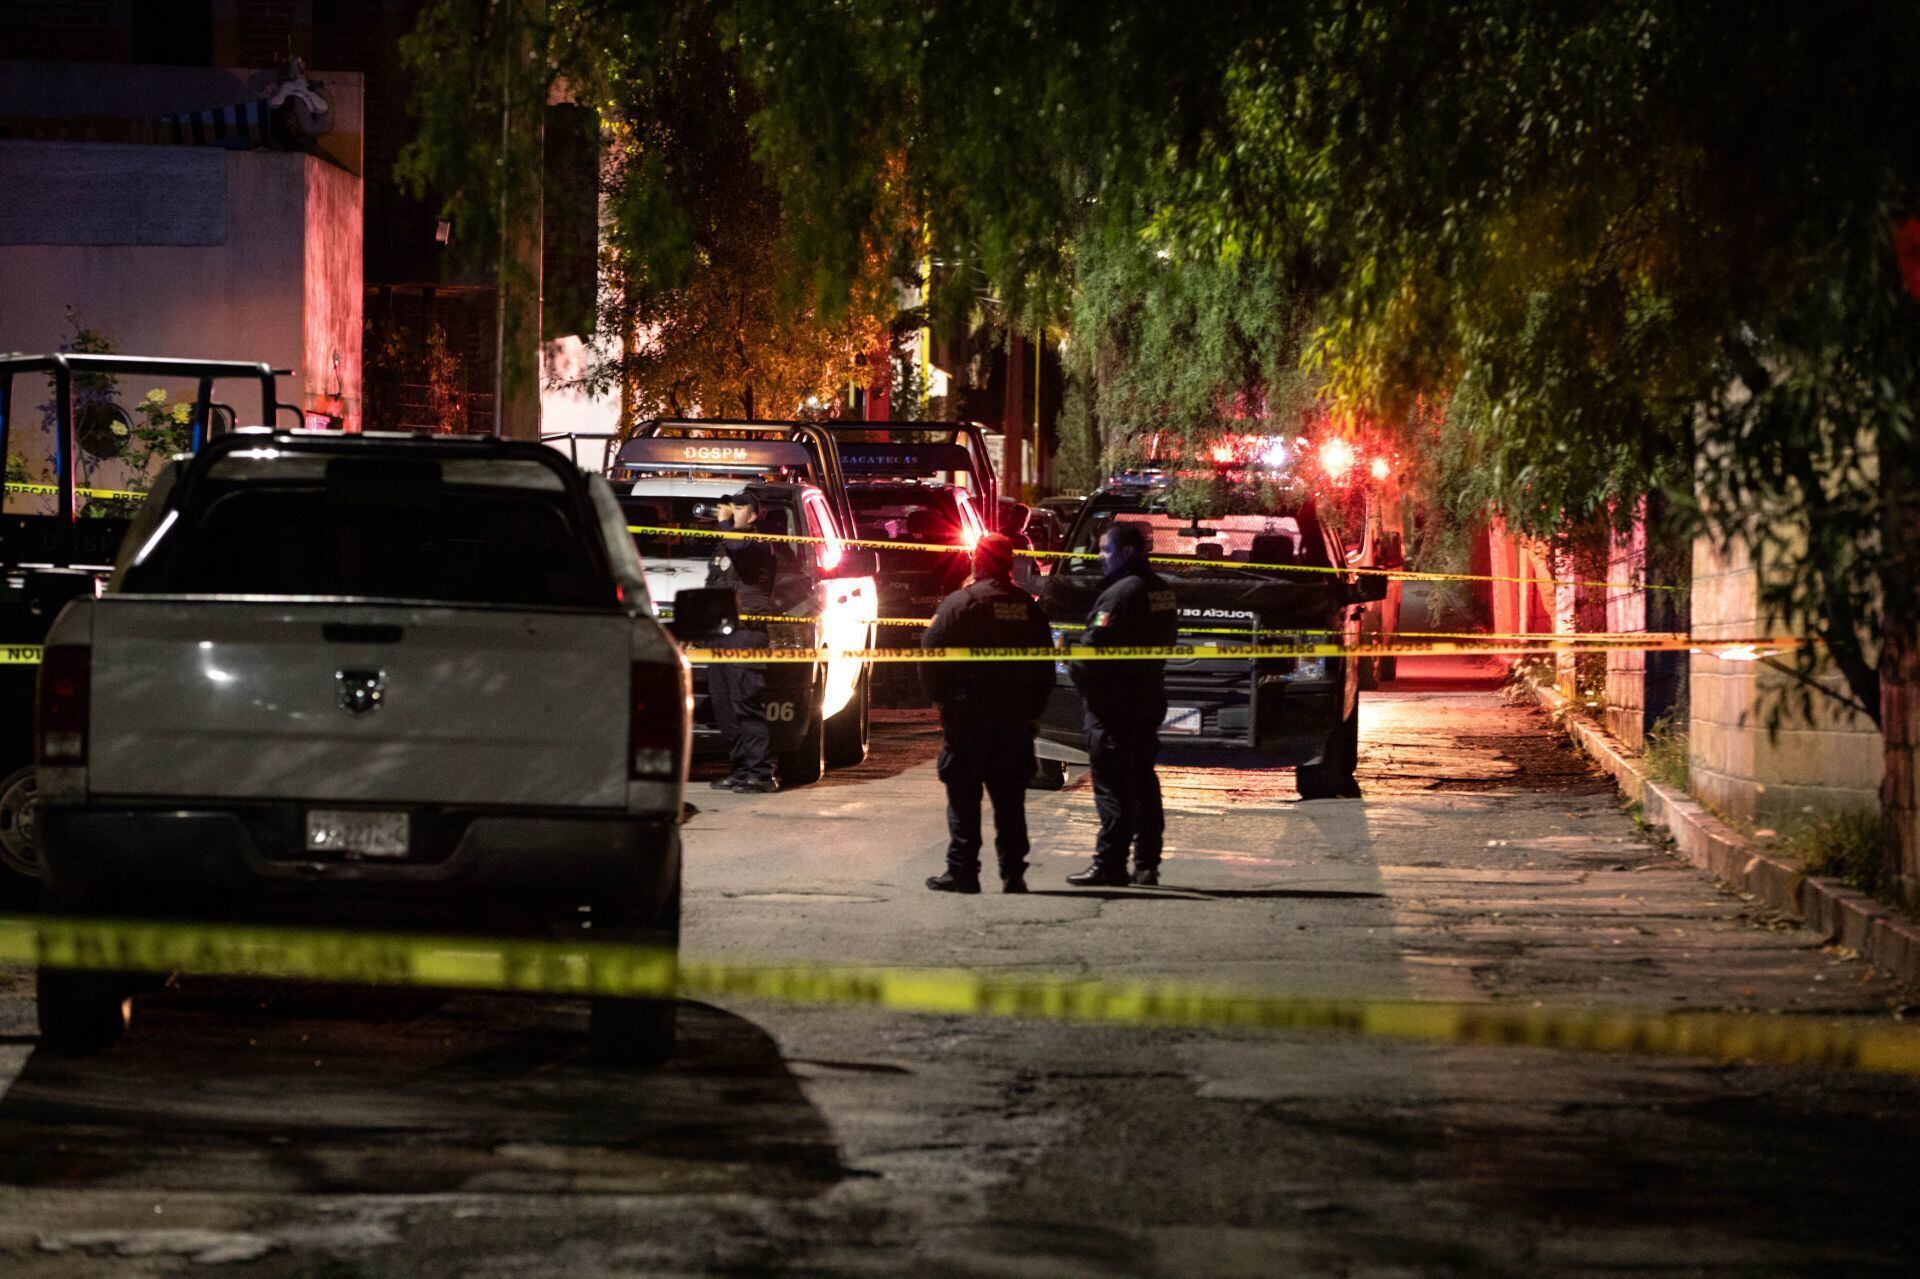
x=1182 y=721
x=362 y=833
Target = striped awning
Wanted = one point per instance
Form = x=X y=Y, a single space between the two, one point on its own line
x=239 y=126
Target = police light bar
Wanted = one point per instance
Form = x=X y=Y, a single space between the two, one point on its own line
x=905 y=459
x=649 y=453
x=1140 y=478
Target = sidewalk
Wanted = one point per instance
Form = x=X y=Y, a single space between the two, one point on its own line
x=1446 y=674
x=1885 y=939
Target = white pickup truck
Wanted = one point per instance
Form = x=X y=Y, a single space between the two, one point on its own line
x=367 y=679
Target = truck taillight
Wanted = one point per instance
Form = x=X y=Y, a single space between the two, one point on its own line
x=660 y=707
x=63 y=697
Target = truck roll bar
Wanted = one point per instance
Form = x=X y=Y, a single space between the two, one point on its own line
x=63 y=366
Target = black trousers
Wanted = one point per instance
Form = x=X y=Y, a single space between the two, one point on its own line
x=742 y=718
x=996 y=758
x=1126 y=790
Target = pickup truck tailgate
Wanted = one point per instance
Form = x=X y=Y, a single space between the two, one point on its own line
x=253 y=700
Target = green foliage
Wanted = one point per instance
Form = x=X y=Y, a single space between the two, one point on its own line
x=1666 y=756
x=715 y=302
x=1077 y=463
x=909 y=388
x=1611 y=240
x=701 y=275
x=1572 y=254
x=17 y=472
x=161 y=429
x=1844 y=845
x=1189 y=347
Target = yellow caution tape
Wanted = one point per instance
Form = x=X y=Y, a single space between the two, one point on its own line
x=1622 y=637
x=1738 y=650
x=630 y=971
x=1392 y=574
x=49 y=490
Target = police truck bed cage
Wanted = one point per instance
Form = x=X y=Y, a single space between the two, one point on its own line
x=46 y=560
x=28 y=535
x=743 y=457
x=746 y=448
x=916 y=445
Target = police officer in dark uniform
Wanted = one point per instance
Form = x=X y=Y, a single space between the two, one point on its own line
x=748 y=569
x=988 y=712
x=1126 y=701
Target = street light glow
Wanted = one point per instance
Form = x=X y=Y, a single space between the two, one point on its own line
x=1336 y=458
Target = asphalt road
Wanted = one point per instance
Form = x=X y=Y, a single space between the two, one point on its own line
x=308 y=1131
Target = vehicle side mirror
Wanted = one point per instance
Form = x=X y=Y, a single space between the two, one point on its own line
x=857 y=561
x=705 y=614
x=1367 y=589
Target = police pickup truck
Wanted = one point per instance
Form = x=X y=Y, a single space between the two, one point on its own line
x=670 y=477
x=365 y=678
x=1268 y=577
x=56 y=544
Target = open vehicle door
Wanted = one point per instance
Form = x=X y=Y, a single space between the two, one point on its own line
x=955 y=451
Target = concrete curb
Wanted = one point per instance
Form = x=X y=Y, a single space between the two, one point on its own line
x=1886 y=940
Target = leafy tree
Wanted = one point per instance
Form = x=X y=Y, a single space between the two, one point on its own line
x=1196 y=347
x=1631 y=247
x=714 y=300
x=1639 y=247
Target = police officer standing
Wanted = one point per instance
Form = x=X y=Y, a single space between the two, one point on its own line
x=988 y=713
x=748 y=569
x=1126 y=701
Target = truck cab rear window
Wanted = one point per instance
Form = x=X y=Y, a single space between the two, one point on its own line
x=377 y=530
x=1228 y=540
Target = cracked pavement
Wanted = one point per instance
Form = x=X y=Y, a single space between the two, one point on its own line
x=303 y=1131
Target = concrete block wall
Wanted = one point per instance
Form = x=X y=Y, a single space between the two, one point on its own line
x=1626 y=611
x=183 y=251
x=1741 y=767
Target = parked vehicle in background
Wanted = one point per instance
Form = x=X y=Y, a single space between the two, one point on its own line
x=367 y=678
x=670 y=477
x=57 y=545
x=1064 y=510
x=936 y=528
x=1047 y=529
x=1260 y=565
x=930 y=489
x=953 y=453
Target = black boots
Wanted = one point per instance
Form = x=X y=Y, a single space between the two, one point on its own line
x=952 y=883
x=1098 y=876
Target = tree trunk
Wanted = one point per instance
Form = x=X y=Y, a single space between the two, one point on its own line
x=1900 y=667
x=1900 y=787
x=517 y=353
x=1013 y=422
